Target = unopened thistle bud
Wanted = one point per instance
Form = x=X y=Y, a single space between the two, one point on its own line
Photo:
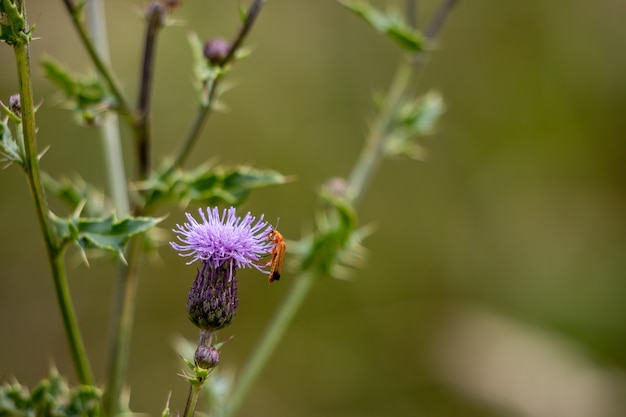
x=221 y=244
x=212 y=300
x=216 y=50
x=207 y=357
x=15 y=104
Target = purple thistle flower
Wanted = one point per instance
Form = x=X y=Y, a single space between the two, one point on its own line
x=221 y=244
x=229 y=240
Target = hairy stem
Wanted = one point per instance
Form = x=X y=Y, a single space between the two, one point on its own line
x=54 y=251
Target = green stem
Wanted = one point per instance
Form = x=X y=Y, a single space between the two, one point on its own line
x=374 y=149
x=110 y=129
x=273 y=334
x=204 y=110
x=192 y=400
x=364 y=168
x=202 y=115
x=77 y=347
x=121 y=333
x=54 y=251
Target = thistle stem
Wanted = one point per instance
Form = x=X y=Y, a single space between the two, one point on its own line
x=374 y=149
x=54 y=251
x=155 y=15
x=121 y=331
x=192 y=400
x=110 y=129
x=364 y=169
x=206 y=106
x=270 y=339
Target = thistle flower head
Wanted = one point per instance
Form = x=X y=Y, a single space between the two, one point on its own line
x=226 y=240
x=221 y=244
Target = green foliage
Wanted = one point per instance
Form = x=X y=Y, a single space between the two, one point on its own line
x=207 y=185
x=9 y=149
x=87 y=96
x=166 y=411
x=13 y=116
x=13 y=25
x=335 y=246
x=78 y=193
x=206 y=73
x=107 y=233
x=391 y=24
x=413 y=119
x=52 y=397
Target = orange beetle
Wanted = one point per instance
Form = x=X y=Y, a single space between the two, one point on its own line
x=278 y=255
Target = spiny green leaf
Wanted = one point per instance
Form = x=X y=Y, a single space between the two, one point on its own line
x=208 y=185
x=77 y=192
x=9 y=149
x=243 y=13
x=335 y=244
x=13 y=116
x=109 y=234
x=205 y=73
x=87 y=96
x=52 y=397
x=12 y=24
x=415 y=119
x=106 y=233
x=62 y=227
x=392 y=24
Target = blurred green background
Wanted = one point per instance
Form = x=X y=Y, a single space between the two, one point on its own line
x=495 y=281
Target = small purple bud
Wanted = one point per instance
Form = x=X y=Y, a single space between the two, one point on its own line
x=15 y=104
x=337 y=186
x=216 y=50
x=156 y=12
x=207 y=357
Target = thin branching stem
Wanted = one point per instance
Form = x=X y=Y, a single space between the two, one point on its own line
x=123 y=321
x=253 y=13
x=412 y=13
x=439 y=17
x=273 y=334
x=53 y=247
x=374 y=149
x=128 y=281
x=210 y=88
x=364 y=169
x=154 y=19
